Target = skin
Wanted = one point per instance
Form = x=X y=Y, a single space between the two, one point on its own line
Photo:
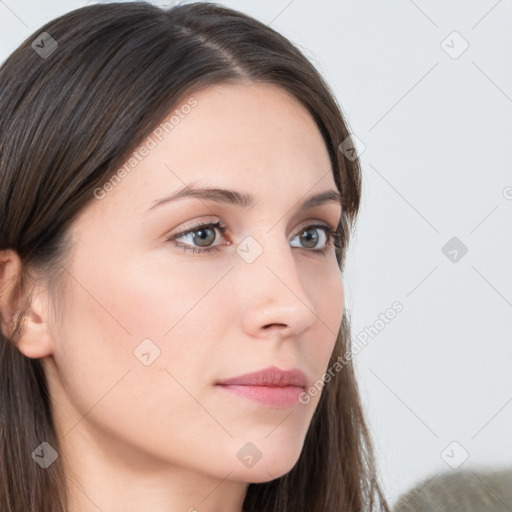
x=162 y=437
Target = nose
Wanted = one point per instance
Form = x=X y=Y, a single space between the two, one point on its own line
x=272 y=293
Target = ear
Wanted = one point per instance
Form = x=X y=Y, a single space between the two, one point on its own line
x=35 y=339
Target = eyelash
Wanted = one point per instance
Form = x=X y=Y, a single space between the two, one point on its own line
x=333 y=237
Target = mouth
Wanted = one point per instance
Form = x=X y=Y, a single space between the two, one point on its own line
x=271 y=386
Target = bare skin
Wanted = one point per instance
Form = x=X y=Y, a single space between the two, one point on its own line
x=162 y=437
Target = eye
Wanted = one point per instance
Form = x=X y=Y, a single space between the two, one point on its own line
x=309 y=236
x=203 y=235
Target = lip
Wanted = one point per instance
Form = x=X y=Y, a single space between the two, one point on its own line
x=270 y=376
x=271 y=386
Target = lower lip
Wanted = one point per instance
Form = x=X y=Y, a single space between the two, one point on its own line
x=273 y=396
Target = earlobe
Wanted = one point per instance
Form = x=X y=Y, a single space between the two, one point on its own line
x=34 y=338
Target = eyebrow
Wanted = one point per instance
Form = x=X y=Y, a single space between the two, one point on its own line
x=244 y=200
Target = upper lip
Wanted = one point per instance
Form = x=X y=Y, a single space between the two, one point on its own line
x=271 y=376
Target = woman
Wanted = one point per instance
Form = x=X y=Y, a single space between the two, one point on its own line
x=175 y=217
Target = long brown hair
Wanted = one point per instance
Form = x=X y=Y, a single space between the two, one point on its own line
x=69 y=119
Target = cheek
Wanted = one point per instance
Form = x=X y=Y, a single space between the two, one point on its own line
x=324 y=286
x=327 y=293
x=107 y=383
x=123 y=315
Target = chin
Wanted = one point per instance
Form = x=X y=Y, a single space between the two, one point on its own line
x=272 y=465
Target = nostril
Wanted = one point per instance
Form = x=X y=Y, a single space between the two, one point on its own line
x=272 y=325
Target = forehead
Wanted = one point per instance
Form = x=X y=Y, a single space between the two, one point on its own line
x=238 y=117
x=256 y=138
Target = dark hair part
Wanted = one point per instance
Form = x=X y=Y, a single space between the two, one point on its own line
x=68 y=122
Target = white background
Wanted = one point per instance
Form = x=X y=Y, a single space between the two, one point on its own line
x=436 y=152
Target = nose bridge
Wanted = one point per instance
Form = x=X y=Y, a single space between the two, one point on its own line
x=272 y=282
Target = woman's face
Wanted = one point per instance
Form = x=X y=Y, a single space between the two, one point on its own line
x=149 y=325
